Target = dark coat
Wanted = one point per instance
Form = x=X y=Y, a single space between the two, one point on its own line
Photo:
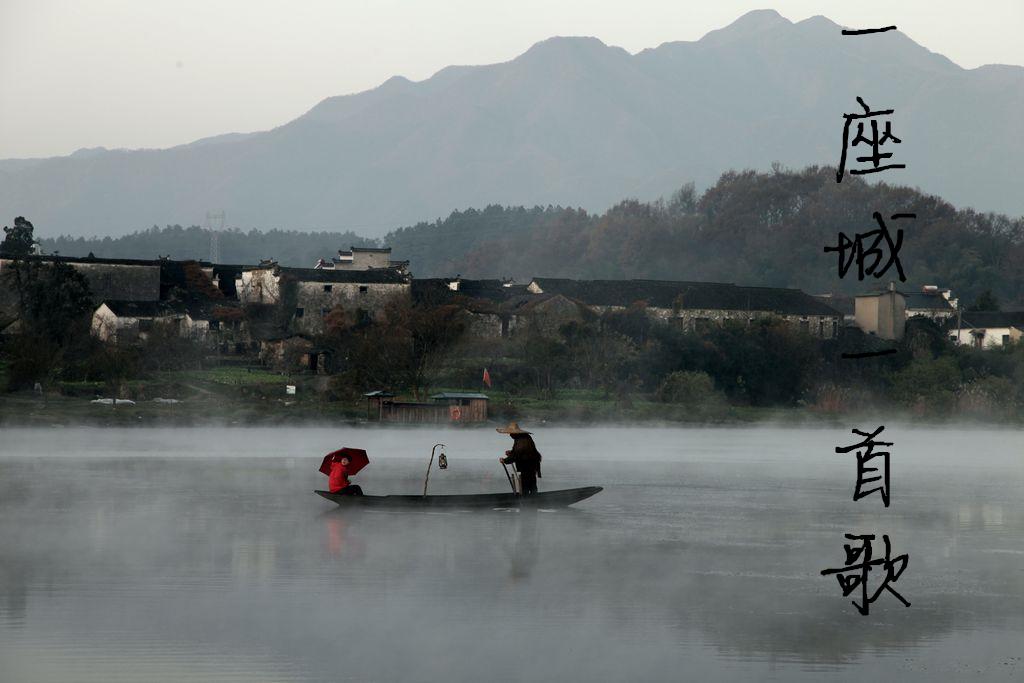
x=524 y=455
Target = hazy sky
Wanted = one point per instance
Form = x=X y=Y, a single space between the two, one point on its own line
x=155 y=73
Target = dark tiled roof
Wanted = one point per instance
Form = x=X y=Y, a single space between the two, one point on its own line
x=371 y=250
x=142 y=309
x=373 y=276
x=436 y=291
x=840 y=302
x=94 y=260
x=975 y=319
x=211 y=310
x=929 y=301
x=686 y=295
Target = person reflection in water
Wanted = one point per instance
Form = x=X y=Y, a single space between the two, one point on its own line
x=338 y=482
x=524 y=455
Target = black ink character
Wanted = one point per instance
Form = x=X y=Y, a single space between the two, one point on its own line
x=855 y=574
x=863 y=458
x=875 y=139
x=865 y=31
x=853 y=250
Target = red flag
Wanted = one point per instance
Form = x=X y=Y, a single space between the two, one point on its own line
x=487 y=377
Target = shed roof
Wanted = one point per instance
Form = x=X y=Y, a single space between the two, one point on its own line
x=457 y=394
x=686 y=295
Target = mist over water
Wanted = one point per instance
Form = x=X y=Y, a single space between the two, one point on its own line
x=202 y=554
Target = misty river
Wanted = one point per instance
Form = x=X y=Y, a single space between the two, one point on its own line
x=203 y=554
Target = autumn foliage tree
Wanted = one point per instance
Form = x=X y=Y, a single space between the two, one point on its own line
x=402 y=347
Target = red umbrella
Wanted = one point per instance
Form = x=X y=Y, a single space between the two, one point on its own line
x=357 y=460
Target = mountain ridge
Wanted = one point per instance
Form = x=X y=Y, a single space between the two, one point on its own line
x=570 y=121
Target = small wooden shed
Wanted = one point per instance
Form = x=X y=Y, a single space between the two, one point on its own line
x=463 y=407
x=375 y=401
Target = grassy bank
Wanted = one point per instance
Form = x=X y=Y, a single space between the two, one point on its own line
x=242 y=396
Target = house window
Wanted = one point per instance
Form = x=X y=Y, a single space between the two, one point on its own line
x=324 y=312
x=805 y=325
x=299 y=312
x=214 y=324
x=328 y=288
x=363 y=289
x=145 y=325
x=1006 y=339
x=701 y=324
x=835 y=328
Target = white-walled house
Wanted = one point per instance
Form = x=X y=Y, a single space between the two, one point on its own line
x=987 y=329
x=127 y=322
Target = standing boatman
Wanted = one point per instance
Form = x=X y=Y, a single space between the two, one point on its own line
x=524 y=455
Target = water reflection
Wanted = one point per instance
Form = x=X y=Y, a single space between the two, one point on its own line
x=708 y=560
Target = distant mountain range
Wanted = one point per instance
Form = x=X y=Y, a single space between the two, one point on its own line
x=572 y=121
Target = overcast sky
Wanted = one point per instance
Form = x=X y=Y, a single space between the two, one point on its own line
x=156 y=73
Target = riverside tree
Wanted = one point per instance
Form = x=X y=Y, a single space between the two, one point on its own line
x=18 y=240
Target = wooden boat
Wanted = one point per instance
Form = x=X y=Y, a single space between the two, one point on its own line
x=546 y=499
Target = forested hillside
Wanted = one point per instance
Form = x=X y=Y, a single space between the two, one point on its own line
x=289 y=247
x=749 y=228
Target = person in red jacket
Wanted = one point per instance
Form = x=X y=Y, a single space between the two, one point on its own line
x=338 y=482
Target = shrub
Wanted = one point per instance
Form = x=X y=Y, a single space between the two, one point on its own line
x=928 y=386
x=688 y=388
x=988 y=397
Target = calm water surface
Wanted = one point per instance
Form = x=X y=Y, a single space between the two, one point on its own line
x=202 y=554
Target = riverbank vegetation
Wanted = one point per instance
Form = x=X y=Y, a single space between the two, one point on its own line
x=617 y=367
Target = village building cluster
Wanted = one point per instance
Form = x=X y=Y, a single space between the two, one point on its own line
x=276 y=313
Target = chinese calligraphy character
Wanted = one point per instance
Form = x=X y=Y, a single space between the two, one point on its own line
x=863 y=470
x=853 y=250
x=865 y=31
x=855 y=574
x=876 y=140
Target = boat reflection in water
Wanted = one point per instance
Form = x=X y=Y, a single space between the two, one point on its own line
x=700 y=557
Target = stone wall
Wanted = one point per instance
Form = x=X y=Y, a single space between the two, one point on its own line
x=316 y=299
x=258 y=286
x=822 y=326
